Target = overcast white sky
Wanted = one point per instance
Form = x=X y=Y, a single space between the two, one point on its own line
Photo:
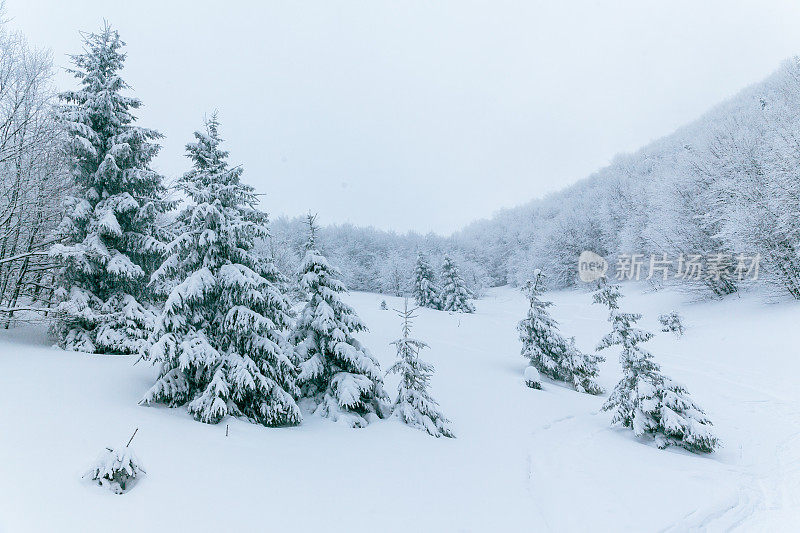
x=417 y=114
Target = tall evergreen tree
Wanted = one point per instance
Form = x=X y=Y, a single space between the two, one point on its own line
x=425 y=291
x=414 y=405
x=341 y=377
x=455 y=295
x=220 y=340
x=644 y=399
x=550 y=353
x=111 y=237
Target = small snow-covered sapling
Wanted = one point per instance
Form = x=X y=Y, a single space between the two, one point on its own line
x=644 y=399
x=547 y=351
x=414 y=405
x=671 y=322
x=117 y=469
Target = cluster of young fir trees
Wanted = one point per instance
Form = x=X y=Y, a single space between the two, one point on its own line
x=644 y=400
x=193 y=295
x=451 y=294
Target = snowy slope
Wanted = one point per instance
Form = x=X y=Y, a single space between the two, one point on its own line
x=523 y=459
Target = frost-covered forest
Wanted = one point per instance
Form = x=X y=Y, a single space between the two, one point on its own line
x=240 y=353
x=726 y=183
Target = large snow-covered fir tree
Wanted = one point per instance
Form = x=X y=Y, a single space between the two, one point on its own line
x=414 y=405
x=550 y=353
x=337 y=373
x=644 y=399
x=111 y=239
x=220 y=340
x=425 y=291
x=455 y=295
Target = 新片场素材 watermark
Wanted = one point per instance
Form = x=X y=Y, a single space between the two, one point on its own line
x=693 y=267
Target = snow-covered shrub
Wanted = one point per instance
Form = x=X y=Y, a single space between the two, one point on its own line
x=532 y=377
x=117 y=469
x=671 y=322
x=549 y=352
x=645 y=400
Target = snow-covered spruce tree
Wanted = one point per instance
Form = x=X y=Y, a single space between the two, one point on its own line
x=337 y=373
x=425 y=291
x=112 y=241
x=455 y=295
x=550 y=353
x=414 y=405
x=644 y=399
x=220 y=338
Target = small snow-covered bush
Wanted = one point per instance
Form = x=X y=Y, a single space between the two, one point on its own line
x=671 y=322
x=116 y=469
x=532 y=378
x=384 y=307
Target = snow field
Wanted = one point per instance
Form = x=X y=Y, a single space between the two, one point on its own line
x=523 y=459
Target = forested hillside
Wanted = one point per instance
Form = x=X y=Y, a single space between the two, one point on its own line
x=725 y=184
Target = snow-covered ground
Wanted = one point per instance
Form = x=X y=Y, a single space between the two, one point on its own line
x=523 y=459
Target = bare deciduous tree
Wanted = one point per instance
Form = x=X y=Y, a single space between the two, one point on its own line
x=33 y=178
